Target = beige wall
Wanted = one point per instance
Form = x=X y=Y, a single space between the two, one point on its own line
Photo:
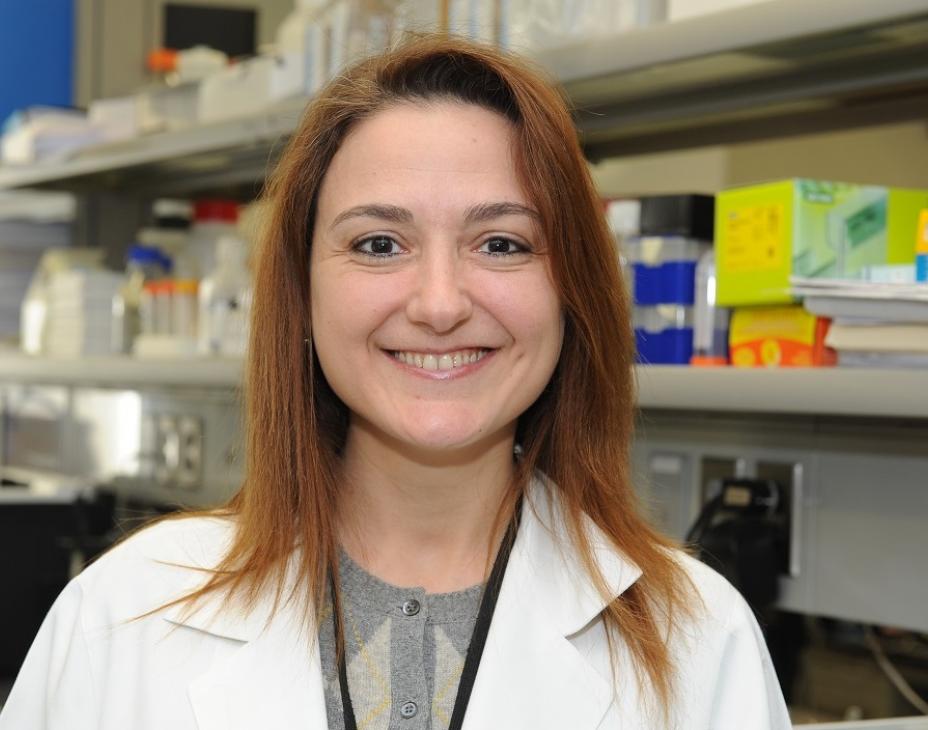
x=894 y=155
x=701 y=170
x=888 y=155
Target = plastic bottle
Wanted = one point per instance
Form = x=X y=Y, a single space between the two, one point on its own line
x=144 y=264
x=184 y=307
x=212 y=219
x=170 y=229
x=710 y=323
x=225 y=302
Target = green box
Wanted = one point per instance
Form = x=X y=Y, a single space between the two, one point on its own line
x=766 y=233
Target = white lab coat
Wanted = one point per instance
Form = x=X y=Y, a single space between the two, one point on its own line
x=545 y=667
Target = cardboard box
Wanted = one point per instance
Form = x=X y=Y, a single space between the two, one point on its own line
x=766 y=233
x=778 y=337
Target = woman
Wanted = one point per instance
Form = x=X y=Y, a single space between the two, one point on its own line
x=437 y=522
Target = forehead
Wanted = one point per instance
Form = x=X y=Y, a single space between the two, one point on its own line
x=408 y=153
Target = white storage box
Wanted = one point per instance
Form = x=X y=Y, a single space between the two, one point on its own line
x=164 y=108
x=118 y=118
x=240 y=90
x=530 y=27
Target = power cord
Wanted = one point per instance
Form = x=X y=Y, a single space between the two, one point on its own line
x=893 y=674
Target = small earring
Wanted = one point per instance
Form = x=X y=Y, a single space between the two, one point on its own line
x=517 y=452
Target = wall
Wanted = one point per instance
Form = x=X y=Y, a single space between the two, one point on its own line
x=36 y=53
x=894 y=154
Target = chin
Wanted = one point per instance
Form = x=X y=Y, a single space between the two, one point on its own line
x=442 y=434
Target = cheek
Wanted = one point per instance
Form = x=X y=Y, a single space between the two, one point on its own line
x=529 y=309
x=346 y=309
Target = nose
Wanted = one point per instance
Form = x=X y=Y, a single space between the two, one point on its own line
x=440 y=300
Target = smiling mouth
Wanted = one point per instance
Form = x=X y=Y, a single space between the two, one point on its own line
x=444 y=361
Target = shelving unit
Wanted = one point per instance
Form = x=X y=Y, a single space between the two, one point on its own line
x=731 y=76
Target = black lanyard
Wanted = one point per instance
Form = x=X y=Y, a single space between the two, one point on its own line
x=478 y=639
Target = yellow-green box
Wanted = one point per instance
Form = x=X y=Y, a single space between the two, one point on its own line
x=766 y=233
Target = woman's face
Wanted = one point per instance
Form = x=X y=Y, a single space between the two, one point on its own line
x=434 y=315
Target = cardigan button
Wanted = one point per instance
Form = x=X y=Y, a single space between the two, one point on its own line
x=411 y=607
x=409 y=709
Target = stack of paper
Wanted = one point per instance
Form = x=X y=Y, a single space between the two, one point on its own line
x=80 y=312
x=875 y=324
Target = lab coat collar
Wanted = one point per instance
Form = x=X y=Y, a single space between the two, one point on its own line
x=531 y=674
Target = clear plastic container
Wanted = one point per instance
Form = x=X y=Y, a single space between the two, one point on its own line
x=664 y=334
x=663 y=317
x=664 y=268
x=657 y=250
x=225 y=302
x=710 y=322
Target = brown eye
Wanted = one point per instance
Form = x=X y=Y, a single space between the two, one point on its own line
x=501 y=247
x=378 y=246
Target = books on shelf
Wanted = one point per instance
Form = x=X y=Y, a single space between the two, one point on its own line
x=876 y=324
x=911 y=338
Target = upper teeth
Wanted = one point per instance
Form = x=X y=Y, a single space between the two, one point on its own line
x=445 y=361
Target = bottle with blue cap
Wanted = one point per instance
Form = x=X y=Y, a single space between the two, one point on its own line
x=143 y=264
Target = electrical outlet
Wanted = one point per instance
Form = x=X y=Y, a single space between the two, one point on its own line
x=190 y=467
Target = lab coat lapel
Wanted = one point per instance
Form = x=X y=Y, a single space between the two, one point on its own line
x=273 y=682
x=531 y=674
x=271 y=676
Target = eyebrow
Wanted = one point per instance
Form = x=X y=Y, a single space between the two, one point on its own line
x=479 y=213
x=391 y=213
x=488 y=211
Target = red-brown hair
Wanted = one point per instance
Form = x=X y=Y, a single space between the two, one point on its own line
x=579 y=430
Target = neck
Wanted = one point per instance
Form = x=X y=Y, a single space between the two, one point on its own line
x=414 y=519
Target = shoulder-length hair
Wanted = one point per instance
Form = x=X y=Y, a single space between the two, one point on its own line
x=579 y=430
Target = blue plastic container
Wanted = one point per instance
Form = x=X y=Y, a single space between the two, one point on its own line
x=664 y=269
x=670 y=347
x=664 y=335
x=670 y=283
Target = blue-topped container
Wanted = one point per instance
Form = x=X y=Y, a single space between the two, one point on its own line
x=664 y=334
x=664 y=269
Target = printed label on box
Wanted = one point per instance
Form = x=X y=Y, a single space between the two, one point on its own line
x=754 y=238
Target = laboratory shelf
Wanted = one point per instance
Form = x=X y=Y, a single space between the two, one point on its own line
x=227 y=156
x=811 y=391
x=745 y=73
x=124 y=372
